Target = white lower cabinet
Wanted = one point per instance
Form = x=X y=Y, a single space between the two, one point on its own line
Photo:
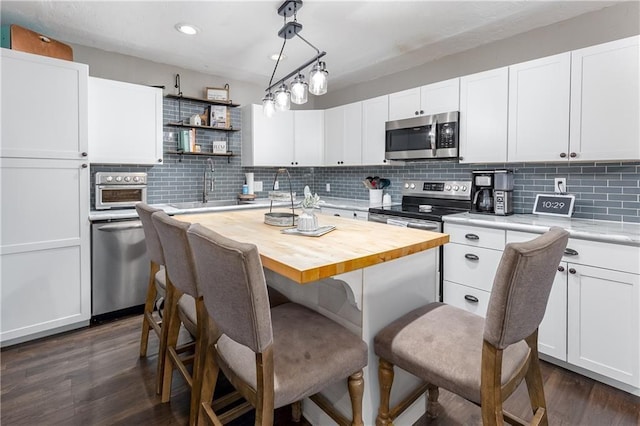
x=355 y=214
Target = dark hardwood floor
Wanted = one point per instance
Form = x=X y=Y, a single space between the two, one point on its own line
x=94 y=376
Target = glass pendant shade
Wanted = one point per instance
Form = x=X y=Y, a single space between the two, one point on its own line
x=283 y=98
x=268 y=105
x=299 y=89
x=318 y=79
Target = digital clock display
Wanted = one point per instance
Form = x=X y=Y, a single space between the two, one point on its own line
x=554 y=204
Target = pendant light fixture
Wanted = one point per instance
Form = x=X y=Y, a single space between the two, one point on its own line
x=299 y=87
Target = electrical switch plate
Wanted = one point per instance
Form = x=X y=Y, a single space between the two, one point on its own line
x=257 y=186
x=328 y=187
x=560 y=185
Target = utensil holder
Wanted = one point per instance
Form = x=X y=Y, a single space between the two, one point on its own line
x=375 y=197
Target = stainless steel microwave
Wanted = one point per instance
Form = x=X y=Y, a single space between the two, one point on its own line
x=423 y=138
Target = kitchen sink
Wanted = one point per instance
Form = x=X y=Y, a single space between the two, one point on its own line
x=200 y=204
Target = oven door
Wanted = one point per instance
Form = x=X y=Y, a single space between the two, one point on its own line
x=119 y=196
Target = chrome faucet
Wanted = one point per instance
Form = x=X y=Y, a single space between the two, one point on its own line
x=206 y=188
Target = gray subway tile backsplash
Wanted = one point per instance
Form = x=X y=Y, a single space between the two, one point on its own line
x=604 y=191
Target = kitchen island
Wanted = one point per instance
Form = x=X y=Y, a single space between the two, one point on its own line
x=363 y=275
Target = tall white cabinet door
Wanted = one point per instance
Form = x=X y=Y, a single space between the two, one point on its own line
x=443 y=96
x=604 y=322
x=333 y=136
x=44 y=107
x=266 y=141
x=484 y=99
x=404 y=104
x=308 y=137
x=45 y=263
x=125 y=123
x=539 y=109
x=375 y=114
x=604 y=101
x=352 y=146
x=552 y=332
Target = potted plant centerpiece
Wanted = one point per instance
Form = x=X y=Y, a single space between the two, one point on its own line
x=308 y=222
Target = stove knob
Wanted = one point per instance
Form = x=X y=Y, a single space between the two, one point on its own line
x=118 y=178
x=109 y=178
x=456 y=187
x=464 y=188
x=448 y=187
x=406 y=186
x=136 y=178
x=412 y=186
x=127 y=178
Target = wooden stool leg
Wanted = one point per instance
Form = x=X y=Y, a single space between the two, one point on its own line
x=385 y=378
x=148 y=307
x=166 y=322
x=356 y=391
x=171 y=342
x=533 y=379
x=490 y=386
x=433 y=406
x=199 y=360
x=209 y=378
x=296 y=411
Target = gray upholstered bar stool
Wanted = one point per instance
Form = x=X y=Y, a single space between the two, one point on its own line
x=157 y=276
x=481 y=360
x=181 y=283
x=273 y=357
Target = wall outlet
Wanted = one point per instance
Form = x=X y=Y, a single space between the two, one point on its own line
x=328 y=189
x=560 y=185
x=257 y=186
x=276 y=185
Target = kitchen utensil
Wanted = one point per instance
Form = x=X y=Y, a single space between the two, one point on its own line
x=375 y=182
x=384 y=183
x=367 y=184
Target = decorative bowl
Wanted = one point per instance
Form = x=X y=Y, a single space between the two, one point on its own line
x=280 y=219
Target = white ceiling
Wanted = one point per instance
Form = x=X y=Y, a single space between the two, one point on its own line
x=364 y=40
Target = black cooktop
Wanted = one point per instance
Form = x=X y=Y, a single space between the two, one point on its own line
x=413 y=211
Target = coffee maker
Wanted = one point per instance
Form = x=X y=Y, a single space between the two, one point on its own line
x=492 y=192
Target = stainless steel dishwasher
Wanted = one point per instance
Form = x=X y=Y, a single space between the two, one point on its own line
x=120 y=266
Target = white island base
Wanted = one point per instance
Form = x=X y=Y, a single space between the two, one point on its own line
x=365 y=301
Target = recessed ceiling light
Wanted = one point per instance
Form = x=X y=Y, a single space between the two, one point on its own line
x=274 y=57
x=187 y=29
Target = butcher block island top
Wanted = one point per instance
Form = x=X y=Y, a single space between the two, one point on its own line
x=352 y=245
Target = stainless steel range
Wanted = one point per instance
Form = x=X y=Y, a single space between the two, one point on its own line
x=423 y=205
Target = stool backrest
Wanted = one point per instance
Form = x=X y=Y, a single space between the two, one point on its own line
x=232 y=282
x=154 y=247
x=521 y=287
x=177 y=252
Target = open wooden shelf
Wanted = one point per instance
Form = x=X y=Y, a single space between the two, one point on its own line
x=227 y=154
x=206 y=101
x=194 y=126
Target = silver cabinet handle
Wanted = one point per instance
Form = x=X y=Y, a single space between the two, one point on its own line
x=123 y=226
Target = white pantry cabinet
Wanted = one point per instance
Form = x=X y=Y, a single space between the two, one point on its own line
x=605 y=103
x=539 y=109
x=44 y=253
x=434 y=98
x=375 y=114
x=484 y=100
x=343 y=135
x=125 y=123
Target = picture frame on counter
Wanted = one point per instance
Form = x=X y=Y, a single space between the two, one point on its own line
x=220 y=94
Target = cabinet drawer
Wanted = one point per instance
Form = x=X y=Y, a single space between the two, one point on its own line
x=471 y=266
x=467 y=298
x=474 y=236
x=593 y=253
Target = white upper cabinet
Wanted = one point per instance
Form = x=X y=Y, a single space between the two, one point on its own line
x=539 y=109
x=375 y=114
x=435 y=98
x=267 y=141
x=125 y=123
x=343 y=135
x=308 y=138
x=44 y=107
x=484 y=99
x=604 y=101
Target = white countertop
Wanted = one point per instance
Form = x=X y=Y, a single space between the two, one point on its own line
x=586 y=229
x=338 y=203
